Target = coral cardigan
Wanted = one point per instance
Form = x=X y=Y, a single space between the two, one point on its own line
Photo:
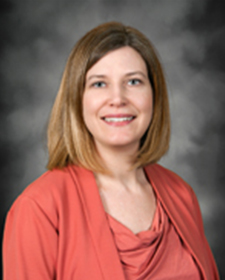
x=57 y=228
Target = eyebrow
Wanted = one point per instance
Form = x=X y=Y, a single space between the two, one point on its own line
x=135 y=73
x=95 y=76
x=128 y=74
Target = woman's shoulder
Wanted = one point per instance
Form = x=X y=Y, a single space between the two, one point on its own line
x=168 y=181
x=49 y=192
x=165 y=174
x=56 y=180
x=50 y=180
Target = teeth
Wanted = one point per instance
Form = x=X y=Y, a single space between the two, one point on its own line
x=118 y=119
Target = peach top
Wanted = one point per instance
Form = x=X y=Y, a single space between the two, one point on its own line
x=57 y=229
x=157 y=253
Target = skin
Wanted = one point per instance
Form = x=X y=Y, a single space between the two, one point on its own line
x=117 y=110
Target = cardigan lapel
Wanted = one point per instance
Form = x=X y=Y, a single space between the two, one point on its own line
x=99 y=229
x=174 y=200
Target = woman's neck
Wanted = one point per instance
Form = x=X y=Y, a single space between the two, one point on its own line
x=119 y=163
x=118 y=160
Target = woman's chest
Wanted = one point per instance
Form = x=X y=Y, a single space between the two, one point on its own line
x=133 y=210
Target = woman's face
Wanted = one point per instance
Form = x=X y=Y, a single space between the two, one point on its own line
x=117 y=100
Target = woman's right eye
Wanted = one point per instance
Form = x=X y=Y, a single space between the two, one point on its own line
x=99 y=84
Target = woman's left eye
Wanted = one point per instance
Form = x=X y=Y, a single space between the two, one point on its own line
x=134 y=82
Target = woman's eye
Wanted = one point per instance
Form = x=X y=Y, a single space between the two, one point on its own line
x=134 y=82
x=99 y=84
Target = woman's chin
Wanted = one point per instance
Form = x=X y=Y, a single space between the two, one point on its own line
x=119 y=144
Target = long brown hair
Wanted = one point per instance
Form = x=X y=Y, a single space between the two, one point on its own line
x=69 y=141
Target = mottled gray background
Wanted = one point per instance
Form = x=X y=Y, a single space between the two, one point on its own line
x=36 y=38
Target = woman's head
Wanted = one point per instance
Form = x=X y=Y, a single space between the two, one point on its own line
x=69 y=140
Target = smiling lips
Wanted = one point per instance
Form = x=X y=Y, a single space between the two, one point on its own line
x=118 y=120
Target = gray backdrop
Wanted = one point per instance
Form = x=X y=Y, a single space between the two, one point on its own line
x=36 y=38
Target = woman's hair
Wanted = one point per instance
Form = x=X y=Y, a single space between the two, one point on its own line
x=69 y=141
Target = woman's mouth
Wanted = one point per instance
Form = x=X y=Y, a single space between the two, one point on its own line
x=118 y=119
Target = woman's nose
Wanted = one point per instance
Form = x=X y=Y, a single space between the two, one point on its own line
x=118 y=96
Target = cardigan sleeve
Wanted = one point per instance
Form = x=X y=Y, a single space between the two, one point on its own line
x=29 y=242
x=197 y=216
x=200 y=224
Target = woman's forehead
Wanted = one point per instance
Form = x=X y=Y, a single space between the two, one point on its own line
x=123 y=60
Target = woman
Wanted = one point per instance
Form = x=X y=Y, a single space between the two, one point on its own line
x=105 y=209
